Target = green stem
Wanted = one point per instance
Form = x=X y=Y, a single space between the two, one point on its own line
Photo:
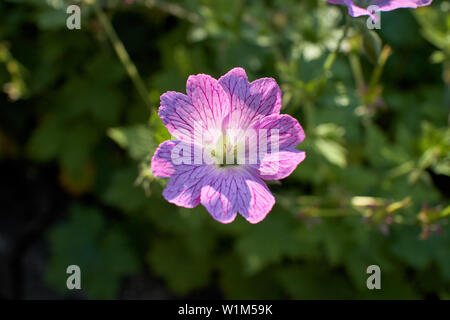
x=384 y=55
x=355 y=65
x=308 y=105
x=333 y=55
x=122 y=53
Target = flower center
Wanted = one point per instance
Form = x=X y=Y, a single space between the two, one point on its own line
x=225 y=153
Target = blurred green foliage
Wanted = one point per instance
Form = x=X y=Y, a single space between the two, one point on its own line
x=373 y=189
x=101 y=252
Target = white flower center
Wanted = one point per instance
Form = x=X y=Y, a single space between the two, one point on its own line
x=225 y=152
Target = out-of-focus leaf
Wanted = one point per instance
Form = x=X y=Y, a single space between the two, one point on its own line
x=102 y=253
x=435 y=27
x=123 y=193
x=159 y=131
x=268 y=242
x=307 y=281
x=137 y=140
x=52 y=19
x=47 y=140
x=332 y=150
x=182 y=269
x=238 y=285
x=328 y=142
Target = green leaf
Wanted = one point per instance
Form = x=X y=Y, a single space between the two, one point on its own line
x=435 y=27
x=308 y=281
x=268 y=242
x=51 y=19
x=79 y=141
x=332 y=150
x=182 y=269
x=137 y=140
x=123 y=193
x=160 y=132
x=102 y=253
x=237 y=284
x=72 y=148
x=328 y=142
x=413 y=251
x=47 y=140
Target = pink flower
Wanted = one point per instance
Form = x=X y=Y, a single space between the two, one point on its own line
x=223 y=155
x=358 y=8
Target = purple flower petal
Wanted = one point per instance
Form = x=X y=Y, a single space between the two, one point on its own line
x=290 y=131
x=184 y=185
x=356 y=9
x=204 y=108
x=261 y=200
x=210 y=100
x=276 y=166
x=161 y=163
x=178 y=115
x=232 y=190
x=249 y=102
x=220 y=195
x=388 y=5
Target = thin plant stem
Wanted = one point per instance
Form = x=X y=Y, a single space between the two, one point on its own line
x=332 y=56
x=123 y=55
x=355 y=65
x=384 y=55
x=308 y=105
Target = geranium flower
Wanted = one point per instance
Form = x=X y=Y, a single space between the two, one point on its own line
x=231 y=137
x=358 y=8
